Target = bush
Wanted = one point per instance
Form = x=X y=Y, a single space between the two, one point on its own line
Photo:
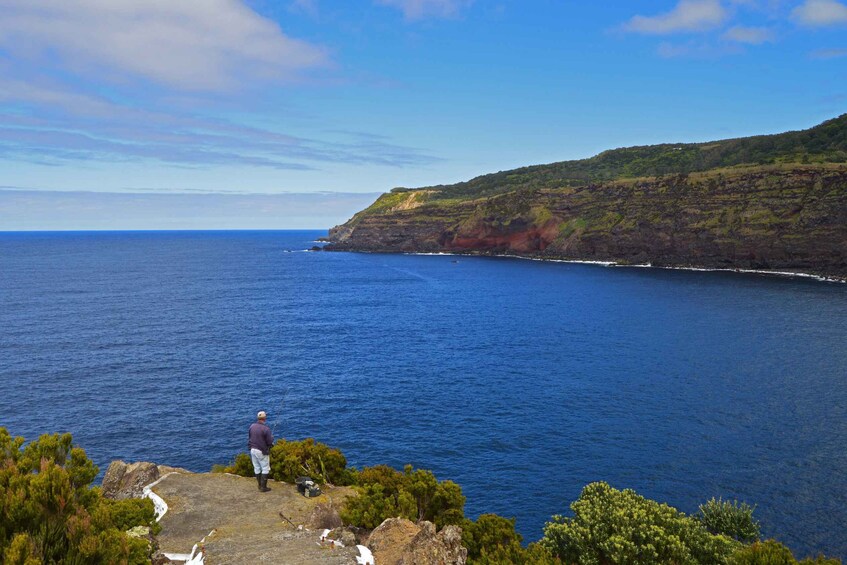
x=772 y=552
x=130 y=512
x=50 y=513
x=489 y=531
x=375 y=504
x=492 y=540
x=731 y=519
x=414 y=494
x=292 y=459
x=613 y=526
x=534 y=554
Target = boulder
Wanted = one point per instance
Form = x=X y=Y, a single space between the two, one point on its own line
x=398 y=541
x=345 y=536
x=160 y=558
x=324 y=517
x=127 y=480
x=429 y=548
x=390 y=539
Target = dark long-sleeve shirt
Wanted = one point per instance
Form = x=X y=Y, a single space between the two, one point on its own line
x=260 y=437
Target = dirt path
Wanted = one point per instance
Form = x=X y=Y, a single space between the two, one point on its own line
x=246 y=524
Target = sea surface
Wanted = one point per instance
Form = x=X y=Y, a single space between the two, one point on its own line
x=522 y=381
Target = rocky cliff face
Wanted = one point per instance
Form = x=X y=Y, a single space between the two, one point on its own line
x=780 y=217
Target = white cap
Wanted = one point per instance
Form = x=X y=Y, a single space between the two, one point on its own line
x=261 y=415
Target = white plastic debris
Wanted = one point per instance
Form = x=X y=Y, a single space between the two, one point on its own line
x=160 y=506
x=365 y=557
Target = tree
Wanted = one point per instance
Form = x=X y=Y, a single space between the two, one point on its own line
x=610 y=526
x=50 y=514
x=731 y=519
x=414 y=494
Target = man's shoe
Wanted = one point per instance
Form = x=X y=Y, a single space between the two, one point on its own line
x=264 y=483
x=259 y=480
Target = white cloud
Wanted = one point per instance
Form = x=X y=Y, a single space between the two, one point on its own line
x=751 y=35
x=187 y=44
x=419 y=9
x=818 y=13
x=687 y=16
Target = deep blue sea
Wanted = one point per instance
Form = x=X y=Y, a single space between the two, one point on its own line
x=520 y=380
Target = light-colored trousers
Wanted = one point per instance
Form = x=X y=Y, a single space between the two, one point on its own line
x=261 y=463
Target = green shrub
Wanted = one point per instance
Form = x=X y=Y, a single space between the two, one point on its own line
x=292 y=459
x=731 y=519
x=534 y=554
x=613 y=526
x=414 y=494
x=374 y=505
x=441 y=503
x=131 y=512
x=489 y=531
x=492 y=540
x=771 y=552
x=50 y=513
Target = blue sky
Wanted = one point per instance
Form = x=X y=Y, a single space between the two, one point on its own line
x=230 y=97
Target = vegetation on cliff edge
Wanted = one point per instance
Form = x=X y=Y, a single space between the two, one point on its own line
x=50 y=513
x=824 y=143
x=606 y=525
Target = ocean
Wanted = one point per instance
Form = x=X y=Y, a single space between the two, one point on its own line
x=520 y=380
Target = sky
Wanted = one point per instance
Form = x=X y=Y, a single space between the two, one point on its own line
x=164 y=114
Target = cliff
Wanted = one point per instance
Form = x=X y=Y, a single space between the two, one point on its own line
x=221 y=518
x=787 y=211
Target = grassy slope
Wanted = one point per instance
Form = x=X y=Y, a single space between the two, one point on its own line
x=825 y=143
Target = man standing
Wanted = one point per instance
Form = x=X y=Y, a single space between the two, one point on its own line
x=260 y=440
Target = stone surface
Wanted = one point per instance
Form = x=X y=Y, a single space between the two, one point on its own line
x=160 y=559
x=388 y=542
x=429 y=548
x=398 y=541
x=345 y=536
x=127 y=480
x=248 y=526
x=324 y=517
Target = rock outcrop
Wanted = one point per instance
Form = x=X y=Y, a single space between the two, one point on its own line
x=127 y=480
x=398 y=541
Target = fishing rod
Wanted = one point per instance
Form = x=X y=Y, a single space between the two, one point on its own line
x=279 y=416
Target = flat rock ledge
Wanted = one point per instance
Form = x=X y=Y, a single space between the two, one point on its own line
x=231 y=522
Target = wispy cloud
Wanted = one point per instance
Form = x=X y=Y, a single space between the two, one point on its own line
x=687 y=16
x=820 y=13
x=828 y=53
x=52 y=124
x=420 y=9
x=695 y=50
x=309 y=7
x=750 y=35
x=198 y=46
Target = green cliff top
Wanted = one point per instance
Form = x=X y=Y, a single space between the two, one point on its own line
x=824 y=143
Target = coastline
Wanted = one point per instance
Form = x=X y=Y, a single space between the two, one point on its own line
x=616 y=264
